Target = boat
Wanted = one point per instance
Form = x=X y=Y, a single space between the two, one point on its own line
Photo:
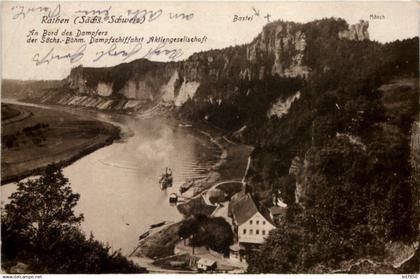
x=166 y=179
x=182 y=125
x=186 y=186
x=173 y=198
x=157 y=225
x=143 y=236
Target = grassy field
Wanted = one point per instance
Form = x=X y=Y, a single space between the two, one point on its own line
x=45 y=137
x=7 y=112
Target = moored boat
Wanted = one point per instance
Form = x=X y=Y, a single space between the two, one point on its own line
x=186 y=186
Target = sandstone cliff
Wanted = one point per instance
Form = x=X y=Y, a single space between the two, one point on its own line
x=279 y=50
x=357 y=32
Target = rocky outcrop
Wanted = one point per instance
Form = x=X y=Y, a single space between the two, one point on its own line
x=278 y=50
x=356 y=32
x=186 y=92
x=282 y=106
x=137 y=89
x=282 y=43
x=212 y=78
x=297 y=171
x=104 y=89
x=168 y=89
x=140 y=79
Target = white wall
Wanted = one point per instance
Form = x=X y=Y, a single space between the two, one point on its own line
x=247 y=232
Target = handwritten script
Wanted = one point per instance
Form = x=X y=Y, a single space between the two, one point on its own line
x=20 y=12
x=83 y=32
x=113 y=51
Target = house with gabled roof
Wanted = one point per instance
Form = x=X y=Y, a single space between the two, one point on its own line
x=251 y=223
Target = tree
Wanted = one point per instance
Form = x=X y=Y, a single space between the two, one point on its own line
x=41 y=205
x=188 y=228
x=40 y=228
x=281 y=253
x=216 y=234
x=212 y=232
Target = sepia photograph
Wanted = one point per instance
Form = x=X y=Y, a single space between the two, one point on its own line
x=219 y=137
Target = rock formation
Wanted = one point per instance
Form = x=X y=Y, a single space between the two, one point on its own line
x=281 y=107
x=356 y=32
x=210 y=78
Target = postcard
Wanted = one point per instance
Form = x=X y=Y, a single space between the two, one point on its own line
x=210 y=137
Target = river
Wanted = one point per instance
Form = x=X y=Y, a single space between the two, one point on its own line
x=118 y=185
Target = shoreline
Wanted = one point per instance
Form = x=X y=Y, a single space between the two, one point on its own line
x=232 y=164
x=61 y=158
x=62 y=163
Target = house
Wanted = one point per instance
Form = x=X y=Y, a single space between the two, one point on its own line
x=206 y=264
x=278 y=213
x=252 y=225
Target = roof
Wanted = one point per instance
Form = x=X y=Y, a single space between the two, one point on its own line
x=243 y=209
x=215 y=193
x=277 y=210
x=236 y=247
x=206 y=262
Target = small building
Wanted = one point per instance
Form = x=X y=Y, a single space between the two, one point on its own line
x=278 y=213
x=216 y=196
x=251 y=224
x=206 y=264
x=236 y=252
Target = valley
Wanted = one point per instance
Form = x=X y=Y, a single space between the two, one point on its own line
x=314 y=121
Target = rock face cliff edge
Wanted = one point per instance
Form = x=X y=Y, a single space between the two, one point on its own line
x=279 y=50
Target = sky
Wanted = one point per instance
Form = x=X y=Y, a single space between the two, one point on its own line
x=212 y=20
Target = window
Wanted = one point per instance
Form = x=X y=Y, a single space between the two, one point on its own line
x=257 y=222
x=263 y=222
x=263 y=232
x=257 y=232
x=250 y=231
x=244 y=231
x=250 y=222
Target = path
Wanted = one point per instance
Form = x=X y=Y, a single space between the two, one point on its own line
x=23 y=114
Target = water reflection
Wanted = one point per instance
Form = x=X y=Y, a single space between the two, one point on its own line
x=118 y=184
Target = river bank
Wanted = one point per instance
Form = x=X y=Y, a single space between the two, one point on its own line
x=135 y=161
x=231 y=166
x=45 y=136
x=160 y=242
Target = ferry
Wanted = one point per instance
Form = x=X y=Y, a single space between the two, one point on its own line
x=166 y=179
